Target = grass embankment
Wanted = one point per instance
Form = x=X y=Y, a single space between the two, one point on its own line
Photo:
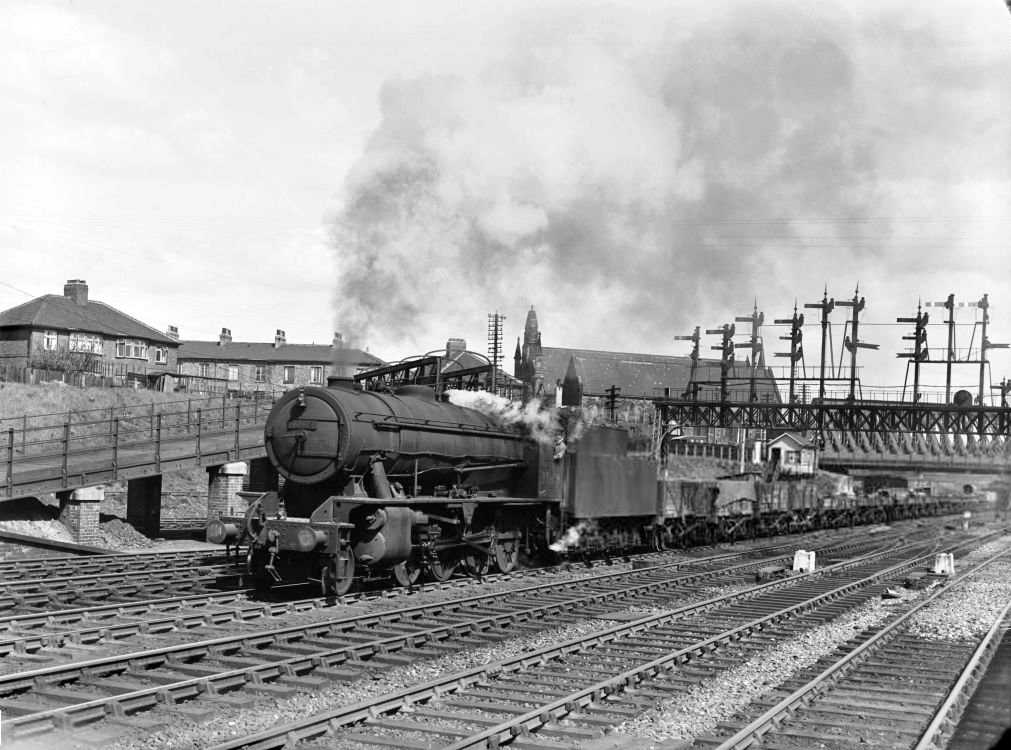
x=38 y=413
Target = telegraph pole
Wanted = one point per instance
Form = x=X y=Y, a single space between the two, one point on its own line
x=495 y=346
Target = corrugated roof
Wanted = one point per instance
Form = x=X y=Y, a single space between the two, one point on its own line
x=58 y=312
x=642 y=374
x=254 y=351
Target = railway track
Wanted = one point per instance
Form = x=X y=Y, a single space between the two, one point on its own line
x=280 y=661
x=44 y=584
x=880 y=689
x=566 y=693
x=39 y=638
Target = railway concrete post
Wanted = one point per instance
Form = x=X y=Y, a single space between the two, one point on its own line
x=143 y=504
x=223 y=485
x=79 y=512
x=262 y=477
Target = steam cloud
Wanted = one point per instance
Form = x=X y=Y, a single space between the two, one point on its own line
x=666 y=164
x=542 y=424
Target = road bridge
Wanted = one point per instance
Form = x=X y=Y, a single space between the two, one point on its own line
x=73 y=458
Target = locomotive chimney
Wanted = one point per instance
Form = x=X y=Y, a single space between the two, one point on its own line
x=76 y=290
x=226 y=337
x=172 y=333
x=278 y=338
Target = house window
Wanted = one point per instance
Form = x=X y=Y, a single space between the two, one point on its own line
x=316 y=375
x=233 y=372
x=205 y=370
x=131 y=348
x=49 y=340
x=161 y=355
x=85 y=342
x=289 y=374
x=260 y=374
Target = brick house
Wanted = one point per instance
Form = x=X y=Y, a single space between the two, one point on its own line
x=89 y=334
x=250 y=367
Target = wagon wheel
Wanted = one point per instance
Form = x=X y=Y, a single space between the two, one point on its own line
x=338 y=574
x=506 y=553
x=442 y=567
x=405 y=573
x=475 y=562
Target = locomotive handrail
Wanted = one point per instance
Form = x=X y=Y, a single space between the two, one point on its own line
x=395 y=422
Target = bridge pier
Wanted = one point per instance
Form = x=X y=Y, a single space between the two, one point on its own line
x=223 y=485
x=143 y=504
x=79 y=511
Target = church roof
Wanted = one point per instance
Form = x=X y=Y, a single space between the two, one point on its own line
x=648 y=375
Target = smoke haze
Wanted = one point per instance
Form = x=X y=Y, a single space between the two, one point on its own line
x=635 y=172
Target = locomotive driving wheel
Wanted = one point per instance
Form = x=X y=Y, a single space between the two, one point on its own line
x=338 y=574
x=406 y=573
x=442 y=567
x=506 y=553
x=475 y=562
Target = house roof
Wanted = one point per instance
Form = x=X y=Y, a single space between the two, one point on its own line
x=254 y=351
x=645 y=374
x=798 y=441
x=57 y=312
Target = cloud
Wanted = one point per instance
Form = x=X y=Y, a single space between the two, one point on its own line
x=609 y=174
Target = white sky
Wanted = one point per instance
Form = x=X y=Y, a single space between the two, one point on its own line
x=397 y=170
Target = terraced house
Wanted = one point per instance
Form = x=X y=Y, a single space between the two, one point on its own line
x=251 y=367
x=73 y=333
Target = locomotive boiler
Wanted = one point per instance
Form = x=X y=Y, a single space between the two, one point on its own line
x=399 y=483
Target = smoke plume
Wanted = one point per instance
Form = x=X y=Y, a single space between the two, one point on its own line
x=637 y=171
x=542 y=424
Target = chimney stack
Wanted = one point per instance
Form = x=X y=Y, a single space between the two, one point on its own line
x=77 y=290
x=455 y=347
x=172 y=333
x=278 y=338
x=338 y=340
x=226 y=337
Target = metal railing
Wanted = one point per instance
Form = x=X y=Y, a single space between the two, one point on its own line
x=58 y=446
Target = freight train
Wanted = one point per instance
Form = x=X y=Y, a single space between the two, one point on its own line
x=404 y=483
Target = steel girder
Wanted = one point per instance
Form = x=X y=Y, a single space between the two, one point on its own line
x=868 y=417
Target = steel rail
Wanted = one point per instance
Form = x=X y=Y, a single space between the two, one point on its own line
x=320 y=724
x=171 y=619
x=752 y=734
x=945 y=721
x=129 y=702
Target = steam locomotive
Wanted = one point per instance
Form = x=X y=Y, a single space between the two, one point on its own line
x=405 y=483
x=394 y=484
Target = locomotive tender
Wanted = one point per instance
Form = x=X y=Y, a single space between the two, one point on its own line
x=403 y=483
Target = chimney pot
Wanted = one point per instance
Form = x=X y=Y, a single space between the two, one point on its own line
x=225 y=337
x=278 y=338
x=338 y=340
x=172 y=332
